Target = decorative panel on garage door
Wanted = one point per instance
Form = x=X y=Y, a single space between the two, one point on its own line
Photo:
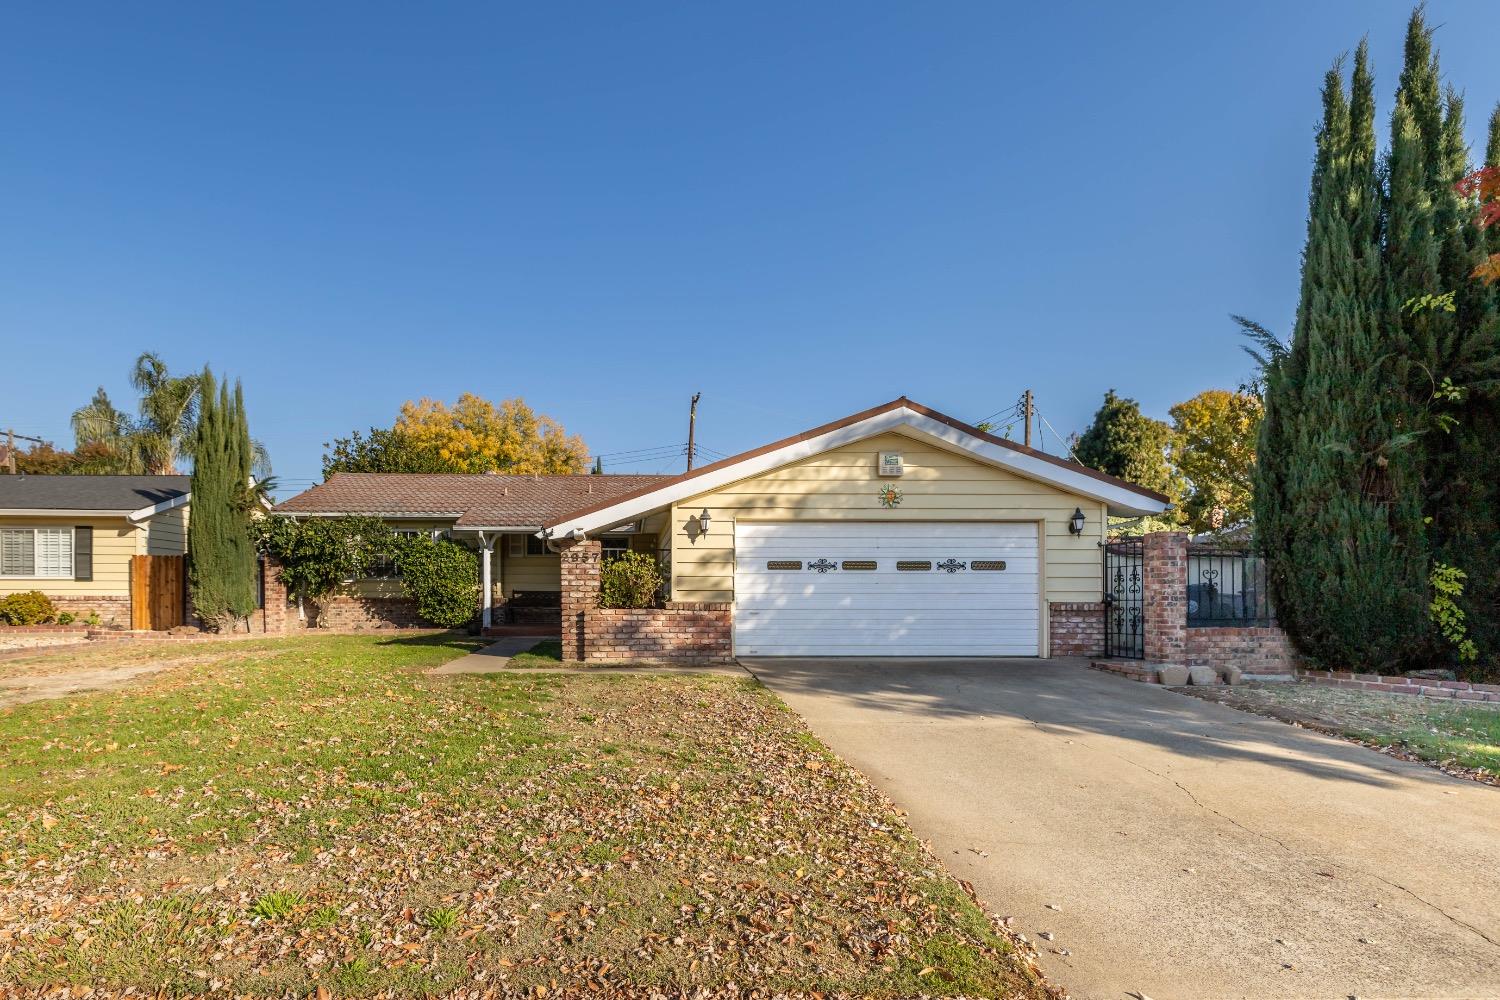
x=911 y=588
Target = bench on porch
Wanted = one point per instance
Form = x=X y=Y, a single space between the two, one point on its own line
x=534 y=607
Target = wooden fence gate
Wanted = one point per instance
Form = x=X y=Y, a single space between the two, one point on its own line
x=158 y=590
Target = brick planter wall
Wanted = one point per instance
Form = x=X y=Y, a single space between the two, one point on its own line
x=1263 y=650
x=695 y=632
x=1416 y=686
x=1076 y=628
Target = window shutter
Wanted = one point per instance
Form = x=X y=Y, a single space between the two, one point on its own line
x=83 y=552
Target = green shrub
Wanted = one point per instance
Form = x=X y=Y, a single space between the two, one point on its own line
x=441 y=576
x=66 y=618
x=631 y=580
x=30 y=608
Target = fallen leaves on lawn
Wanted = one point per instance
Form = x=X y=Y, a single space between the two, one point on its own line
x=579 y=835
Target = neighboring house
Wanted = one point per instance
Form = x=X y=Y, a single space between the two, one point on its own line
x=73 y=537
x=897 y=531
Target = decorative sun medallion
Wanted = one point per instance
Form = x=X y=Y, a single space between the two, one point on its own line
x=889 y=496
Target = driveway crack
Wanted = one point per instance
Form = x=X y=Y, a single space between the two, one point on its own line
x=1278 y=842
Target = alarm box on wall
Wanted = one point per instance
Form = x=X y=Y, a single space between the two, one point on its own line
x=890 y=463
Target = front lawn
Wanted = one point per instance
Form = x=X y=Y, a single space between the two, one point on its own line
x=1453 y=735
x=547 y=653
x=322 y=812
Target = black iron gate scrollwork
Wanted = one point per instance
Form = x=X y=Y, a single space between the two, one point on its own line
x=1124 y=618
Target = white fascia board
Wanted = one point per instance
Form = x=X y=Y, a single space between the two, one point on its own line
x=1118 y=499
x=1122 y=502
x=377 y=516
x=145 y=513
x=501 y=529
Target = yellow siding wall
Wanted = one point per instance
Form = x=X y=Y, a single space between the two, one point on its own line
x=530 y=573
x=165 y=534
x=938 y=485
x=114 y=544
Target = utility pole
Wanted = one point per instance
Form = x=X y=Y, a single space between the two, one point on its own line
x=1028 y=406
x=692 y=427
x=10 y=447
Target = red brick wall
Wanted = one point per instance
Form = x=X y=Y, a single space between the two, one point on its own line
x=112 y=610
x=339 y=611
x=1076 y=628
x=693 y=632
x=1264 y=650
x=1164 y=595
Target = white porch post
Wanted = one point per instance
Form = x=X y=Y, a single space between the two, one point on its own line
x=487 y=598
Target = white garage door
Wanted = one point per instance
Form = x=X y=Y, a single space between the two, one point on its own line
x=829 y=588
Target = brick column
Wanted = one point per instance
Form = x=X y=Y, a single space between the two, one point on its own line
x=580 y=593
x=1164 y=596
x=279 y=615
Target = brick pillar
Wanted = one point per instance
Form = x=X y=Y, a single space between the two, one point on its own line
x=580 y=593
x=1164 y=596
x=279 y=615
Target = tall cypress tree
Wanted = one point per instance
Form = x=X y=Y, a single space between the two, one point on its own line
x=1340 y=468
x=1377 y=456
x=221 y=576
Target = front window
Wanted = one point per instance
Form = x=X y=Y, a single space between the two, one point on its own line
x=384 y=567
x=36 y=552
x=613 y=548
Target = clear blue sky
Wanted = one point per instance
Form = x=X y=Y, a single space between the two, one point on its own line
x=799 y=209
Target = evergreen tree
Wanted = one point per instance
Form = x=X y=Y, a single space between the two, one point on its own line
x=1339 y=460
x=1124 y=442
x=1376 y=459
x=221 y=575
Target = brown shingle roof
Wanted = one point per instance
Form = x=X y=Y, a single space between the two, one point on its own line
x=477 y=501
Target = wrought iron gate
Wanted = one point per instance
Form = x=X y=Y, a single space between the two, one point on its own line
x=1124 y=622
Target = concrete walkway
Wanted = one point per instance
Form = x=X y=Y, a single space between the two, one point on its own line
x=1173 y=848
x=492 y=658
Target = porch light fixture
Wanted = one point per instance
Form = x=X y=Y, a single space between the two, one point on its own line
x=703 y=520
x=1075 y=523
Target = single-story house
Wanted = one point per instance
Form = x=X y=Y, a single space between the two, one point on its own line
x=896 y=531
x=73 y=537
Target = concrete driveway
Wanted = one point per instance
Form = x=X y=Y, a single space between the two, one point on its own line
x=1191 y=851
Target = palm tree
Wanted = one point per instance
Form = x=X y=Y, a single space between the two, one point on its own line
x=169 y=414
x=152 y=443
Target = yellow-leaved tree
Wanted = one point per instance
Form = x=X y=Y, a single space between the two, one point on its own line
x=1213 y=447
x=476 y=435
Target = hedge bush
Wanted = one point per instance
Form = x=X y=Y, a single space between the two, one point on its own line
x=29 y=608
x=630 y=580
x=442 y=577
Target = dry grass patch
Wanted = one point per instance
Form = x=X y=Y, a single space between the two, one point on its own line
x=323 y=813
x=1455 y=736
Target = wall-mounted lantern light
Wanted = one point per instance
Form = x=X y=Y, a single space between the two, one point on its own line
x=1075 y=523
x=703 y=520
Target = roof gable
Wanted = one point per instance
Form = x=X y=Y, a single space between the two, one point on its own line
x=901 y=415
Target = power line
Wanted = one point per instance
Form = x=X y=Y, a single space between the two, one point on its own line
x=1062 y=440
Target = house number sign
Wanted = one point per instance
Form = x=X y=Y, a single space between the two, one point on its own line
x=580 y=557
